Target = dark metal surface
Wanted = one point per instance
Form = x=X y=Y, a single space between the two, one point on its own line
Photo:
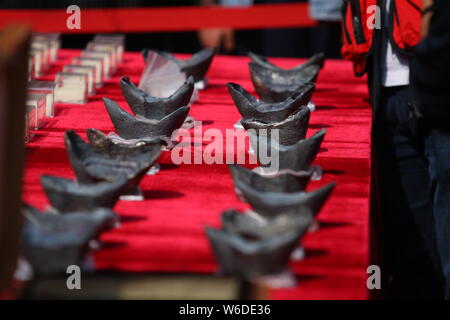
x=91 y=166
x=296 y=157
x=318 y=60
x=251 y=227
x=251 y=108
x=290 y=130
x=252 y=258
x=270 y=204
x=153 y=107
x=100 y=142
x=67 y=195
x=284 y=182
x=277 y=85
x=129 y=127
x=52 y=242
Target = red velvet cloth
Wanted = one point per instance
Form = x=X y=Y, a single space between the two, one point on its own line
x=165 y=232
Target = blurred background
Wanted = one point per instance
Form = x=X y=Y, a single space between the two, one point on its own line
x=324 y=37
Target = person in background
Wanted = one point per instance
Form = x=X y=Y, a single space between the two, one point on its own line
x=406 y=226
x=284 y=42
x=304 y=42
x=181 y=42
x=231 y=41
x=326 y=37
x=430 y=81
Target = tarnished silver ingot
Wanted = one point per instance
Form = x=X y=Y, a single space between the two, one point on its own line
x=289 y=131
x=250 y=259
x=250 y=247
x=284 y=182
x=271 y=204
x=52 y=242
x=91 y=166
x=196 y=66
x=100 y=142
x=294 y=158
x=317 y=60
x=67 y=195
x=154 y=107
x=256 y=227
x=129 y=127
x=251 y=108
x=277 y=85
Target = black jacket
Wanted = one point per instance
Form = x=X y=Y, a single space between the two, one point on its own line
x=430 y=69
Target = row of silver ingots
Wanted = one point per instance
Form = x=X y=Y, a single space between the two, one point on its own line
x=258 y=244
x=108 y=168
x=253 y=245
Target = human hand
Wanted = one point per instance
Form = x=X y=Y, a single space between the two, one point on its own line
x=217 y=37
x=426 y=17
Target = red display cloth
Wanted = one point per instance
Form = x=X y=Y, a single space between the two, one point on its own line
x=166 y=231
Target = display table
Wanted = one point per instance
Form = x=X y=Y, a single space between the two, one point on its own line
x=166 y=231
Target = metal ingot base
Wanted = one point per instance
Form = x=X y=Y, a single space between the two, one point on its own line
x=133 y=195
x=154 y=169
x=202 y=84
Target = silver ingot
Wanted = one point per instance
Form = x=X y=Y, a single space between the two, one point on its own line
x=255 y=227
x=67 y=195
x=91 y=166
x=294 y=158
x=101 y=142
x=271 y=204
x=154 y=107
x=52 y=242
x=317 y=60
x=251 y=108
x=284 y=182
x=129 y=127
x=252 y=258
x=277 y=85
x=290 y=130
